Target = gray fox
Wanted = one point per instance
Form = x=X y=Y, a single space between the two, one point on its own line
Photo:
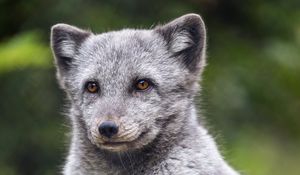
x=131 y=95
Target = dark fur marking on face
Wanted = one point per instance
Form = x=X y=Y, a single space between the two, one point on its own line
x=165 y=121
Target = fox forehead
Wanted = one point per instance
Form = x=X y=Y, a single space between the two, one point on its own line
x=118 y=45
x=126 y=53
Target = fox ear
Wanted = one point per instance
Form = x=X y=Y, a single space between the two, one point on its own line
x=186 y=40
x=65 y=41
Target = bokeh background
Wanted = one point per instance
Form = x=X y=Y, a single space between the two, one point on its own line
x=251 y=88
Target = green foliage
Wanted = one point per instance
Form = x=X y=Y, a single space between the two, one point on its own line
x=25 y=50
x=251 y=88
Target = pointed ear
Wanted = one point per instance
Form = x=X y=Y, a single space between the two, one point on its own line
x=186 y=40
x=65 y=41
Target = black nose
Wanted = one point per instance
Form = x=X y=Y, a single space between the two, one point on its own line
x=108 y=129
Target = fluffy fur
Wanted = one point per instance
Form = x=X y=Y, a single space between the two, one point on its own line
x=158 y=128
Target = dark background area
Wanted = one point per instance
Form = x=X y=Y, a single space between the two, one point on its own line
x=251 y=87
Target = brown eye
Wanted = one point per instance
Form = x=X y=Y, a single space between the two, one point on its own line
x=142 y=85
x=92 y=87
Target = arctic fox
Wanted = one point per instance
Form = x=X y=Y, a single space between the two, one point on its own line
x=131 y=96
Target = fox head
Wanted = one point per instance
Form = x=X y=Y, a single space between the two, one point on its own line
x=130 y=86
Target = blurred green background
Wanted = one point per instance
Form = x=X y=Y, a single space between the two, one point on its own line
x=251 y=88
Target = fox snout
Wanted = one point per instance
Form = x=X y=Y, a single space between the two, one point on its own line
x=113 y=132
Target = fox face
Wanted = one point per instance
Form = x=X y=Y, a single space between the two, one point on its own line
x=130 y=86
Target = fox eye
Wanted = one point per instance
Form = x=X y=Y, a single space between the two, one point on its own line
x=142 y=85
x=92 y=87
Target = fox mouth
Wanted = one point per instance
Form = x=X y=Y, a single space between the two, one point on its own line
x=122 y=145
x=115 y=143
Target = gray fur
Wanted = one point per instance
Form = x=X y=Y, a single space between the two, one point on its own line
x=158 y=127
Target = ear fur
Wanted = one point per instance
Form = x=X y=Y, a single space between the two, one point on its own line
x=65 y=41
x=186 y=39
